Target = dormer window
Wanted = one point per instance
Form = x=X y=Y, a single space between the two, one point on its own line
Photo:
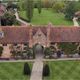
x=1 y=34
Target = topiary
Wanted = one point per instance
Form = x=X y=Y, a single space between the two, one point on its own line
x=1 y=50
x=26 y=70
x=46 y=70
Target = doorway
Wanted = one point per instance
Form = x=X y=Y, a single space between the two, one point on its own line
x=38 y=50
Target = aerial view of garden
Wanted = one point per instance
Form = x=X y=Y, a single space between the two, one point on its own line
x=39 y=39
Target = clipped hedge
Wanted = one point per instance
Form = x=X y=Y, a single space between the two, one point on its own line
x=46 y=70
x=27 y=70
x=1 y=50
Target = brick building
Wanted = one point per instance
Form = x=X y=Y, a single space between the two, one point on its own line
x=31 y=35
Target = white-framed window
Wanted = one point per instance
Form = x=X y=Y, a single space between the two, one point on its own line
x=1 y=34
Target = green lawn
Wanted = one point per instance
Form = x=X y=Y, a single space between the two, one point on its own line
x=12 y=71
x=47 y=16
x=64 y=70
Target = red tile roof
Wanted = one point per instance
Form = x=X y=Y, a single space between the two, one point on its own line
x=15 y=35
x=65 y=34
x=57 y=34
x=42 y=28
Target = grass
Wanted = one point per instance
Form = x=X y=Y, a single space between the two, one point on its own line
x=12 y=71
x=47 y=16
x=64 y=70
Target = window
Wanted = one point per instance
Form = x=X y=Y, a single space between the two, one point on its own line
x=4 y=44
x=1 y=34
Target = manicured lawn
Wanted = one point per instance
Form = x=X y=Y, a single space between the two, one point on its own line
x=12 y=71
x=47 y=16
x=64 y=70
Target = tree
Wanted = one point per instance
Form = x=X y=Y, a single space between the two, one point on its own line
x=70 y=10
x=48 y=51
x=1 y=50
x=58 y=6
x=29 y=53
x=46 y=70
x=11 y=5
x=21 y=4
x=39 y=6
x=47 y=4
x=26 y=70
x=29 y=9
x=10 y=19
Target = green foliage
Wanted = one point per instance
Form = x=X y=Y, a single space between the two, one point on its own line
x=9 y=18
x=46 y=70
x=10 y=4
x=47 y=51
x=71 y=8
x=47 y=4
x=29 y=53
x=29 y=9
x=68 y=48
x=21 y=5
x=39 y=6
x=27 y=70
x=1 y=50
x=58 y=6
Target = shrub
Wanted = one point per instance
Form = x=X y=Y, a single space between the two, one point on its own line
x=46 y=70
x=59 y=53
x=1 y=50
x=26 y=70
x=47 y=51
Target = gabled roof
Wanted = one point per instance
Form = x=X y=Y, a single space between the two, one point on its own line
x=57 y=34
x=42 y=28
x=65 y=34
x=15 y=35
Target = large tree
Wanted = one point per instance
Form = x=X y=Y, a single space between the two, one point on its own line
x=71 y=8
x=29 y=9
x=39 y=6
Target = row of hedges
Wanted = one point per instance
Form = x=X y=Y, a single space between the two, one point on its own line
x=27 y=70
x=63 y=48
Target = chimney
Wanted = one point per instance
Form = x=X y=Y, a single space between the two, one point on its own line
x=30 y=36
x=48 y=34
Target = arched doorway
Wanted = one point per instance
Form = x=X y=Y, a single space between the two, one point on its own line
x=38 y=50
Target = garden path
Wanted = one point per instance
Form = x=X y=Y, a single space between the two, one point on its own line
x=37 y=68
x=20 y=20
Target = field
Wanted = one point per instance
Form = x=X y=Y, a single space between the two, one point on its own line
x=64 y=70
x=12 y=71
x=47 y=16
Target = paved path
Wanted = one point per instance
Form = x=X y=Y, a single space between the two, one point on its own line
x=61 y=59
x=75 y=21
x=20 y=20
x=37 y=68
x=1 y=61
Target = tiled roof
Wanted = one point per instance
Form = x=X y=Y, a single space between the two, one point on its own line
x=42 y=28
x=15 y=35
x=57 y=34
x=65 y=34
